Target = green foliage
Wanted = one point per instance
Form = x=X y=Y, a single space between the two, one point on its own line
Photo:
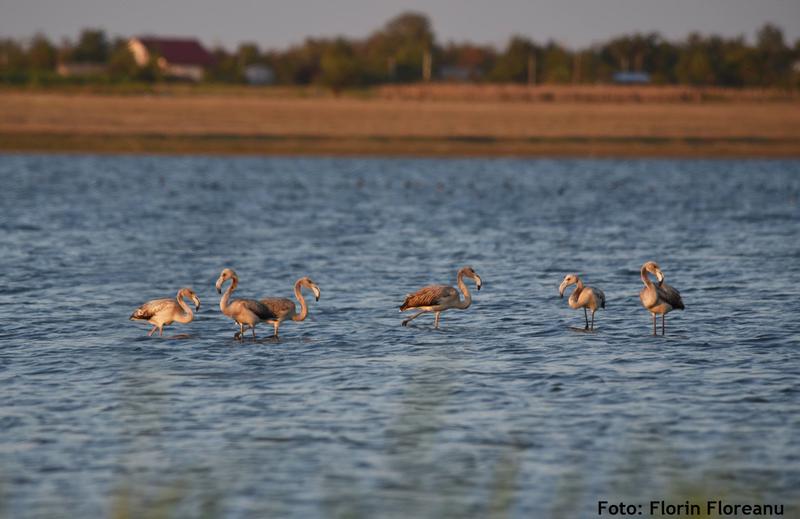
x=395 y=54
x=92 y=47
x=42 y=54
x=122 y=65
x=512 y=65
x=12 y=57
x=339 y=66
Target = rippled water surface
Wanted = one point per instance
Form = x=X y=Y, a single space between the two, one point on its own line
x=507 y=408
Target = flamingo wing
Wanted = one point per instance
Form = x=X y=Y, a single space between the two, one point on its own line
x=261 y=311
x=670 y=295
x=279 y=306
x=429 y=296
x=151 y=308
x=601 y=297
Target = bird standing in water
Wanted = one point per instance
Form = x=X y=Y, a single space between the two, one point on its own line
x=658 y=299
x=162 y=312
x=438 y=298
x=246 y=312
x=284 y=309
x=583 y=297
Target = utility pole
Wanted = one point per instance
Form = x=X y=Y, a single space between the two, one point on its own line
x=427 y=60
x=532 y=68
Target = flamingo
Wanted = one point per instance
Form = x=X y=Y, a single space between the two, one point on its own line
x=284 y=309
x=244 y=311
x=161 y=312
x=583 y=297
x=658 y=299
x=438 y=298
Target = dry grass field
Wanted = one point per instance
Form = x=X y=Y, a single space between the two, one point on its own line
x=579 y=121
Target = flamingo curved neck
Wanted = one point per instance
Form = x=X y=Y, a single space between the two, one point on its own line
x=223 y=303
x=577 y=292
x=646 y=278
x=303 y=307
x=463 y=304
x=187 y=315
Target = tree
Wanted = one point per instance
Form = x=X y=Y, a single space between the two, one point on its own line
x=396 y=52
x=122 y=65
x=41 y=54
x=226 y=67
x=13 y=61
x=694 y=66
x=557 y=64
x=248 y=54
x=339 y=66
x=512 y=65
x=773 y=55
x=92 y=47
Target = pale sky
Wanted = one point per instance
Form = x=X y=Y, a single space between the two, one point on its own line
x=277 y=24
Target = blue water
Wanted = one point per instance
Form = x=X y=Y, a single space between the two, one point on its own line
x=507 y=409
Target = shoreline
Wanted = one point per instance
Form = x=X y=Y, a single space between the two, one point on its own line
x=494 y=125
x=409 y=146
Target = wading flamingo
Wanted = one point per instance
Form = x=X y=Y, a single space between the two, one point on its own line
x=658 y=299
x=161 y=312
x=438 y=298
x=284 y=309
x=246 y=312
x=583 y=297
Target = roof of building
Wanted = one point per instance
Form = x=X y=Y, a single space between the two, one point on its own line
x=178 y=51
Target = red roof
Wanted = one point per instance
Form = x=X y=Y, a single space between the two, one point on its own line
x=179 y=51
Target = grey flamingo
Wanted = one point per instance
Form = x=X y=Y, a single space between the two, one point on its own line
x=583 y=297
x=246 y=312
x=438 y=298
x=658 y=299
x=283 y=309
x=162 y=312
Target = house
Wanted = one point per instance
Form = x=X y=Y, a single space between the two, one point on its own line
x=73 y=69
x=182 y=58
x=456 y=73
x=631 y=78
x=257 y=74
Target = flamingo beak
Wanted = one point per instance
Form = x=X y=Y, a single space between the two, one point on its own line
x=478 y=281
x=196 y=303
x=660 y=276
x=561 y=288
x=315 y=289
x=219 y=285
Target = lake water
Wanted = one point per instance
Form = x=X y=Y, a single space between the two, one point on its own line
x=506 y=410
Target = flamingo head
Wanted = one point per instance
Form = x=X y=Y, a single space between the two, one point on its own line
x=569 y=279
x=306 y=282
x=470 y=273
x=224 y=276
x=653 y=268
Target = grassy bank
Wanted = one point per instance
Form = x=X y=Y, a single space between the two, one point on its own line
x=576 y=121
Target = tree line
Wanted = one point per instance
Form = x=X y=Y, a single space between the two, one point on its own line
x=406 y=50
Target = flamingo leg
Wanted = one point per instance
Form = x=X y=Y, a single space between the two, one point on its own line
x=151 y=332
x=240 y=333
x=663 y=323
x=587 y=318
x=592 y=327
x=405 y=323
x=276 y=324
x=436 y=320
x=160 y=331
x=254 y=331
x=654 y=324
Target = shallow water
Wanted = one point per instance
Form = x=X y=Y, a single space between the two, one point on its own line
x=506 y=408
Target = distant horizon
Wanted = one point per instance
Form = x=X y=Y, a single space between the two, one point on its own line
x=278 y=25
